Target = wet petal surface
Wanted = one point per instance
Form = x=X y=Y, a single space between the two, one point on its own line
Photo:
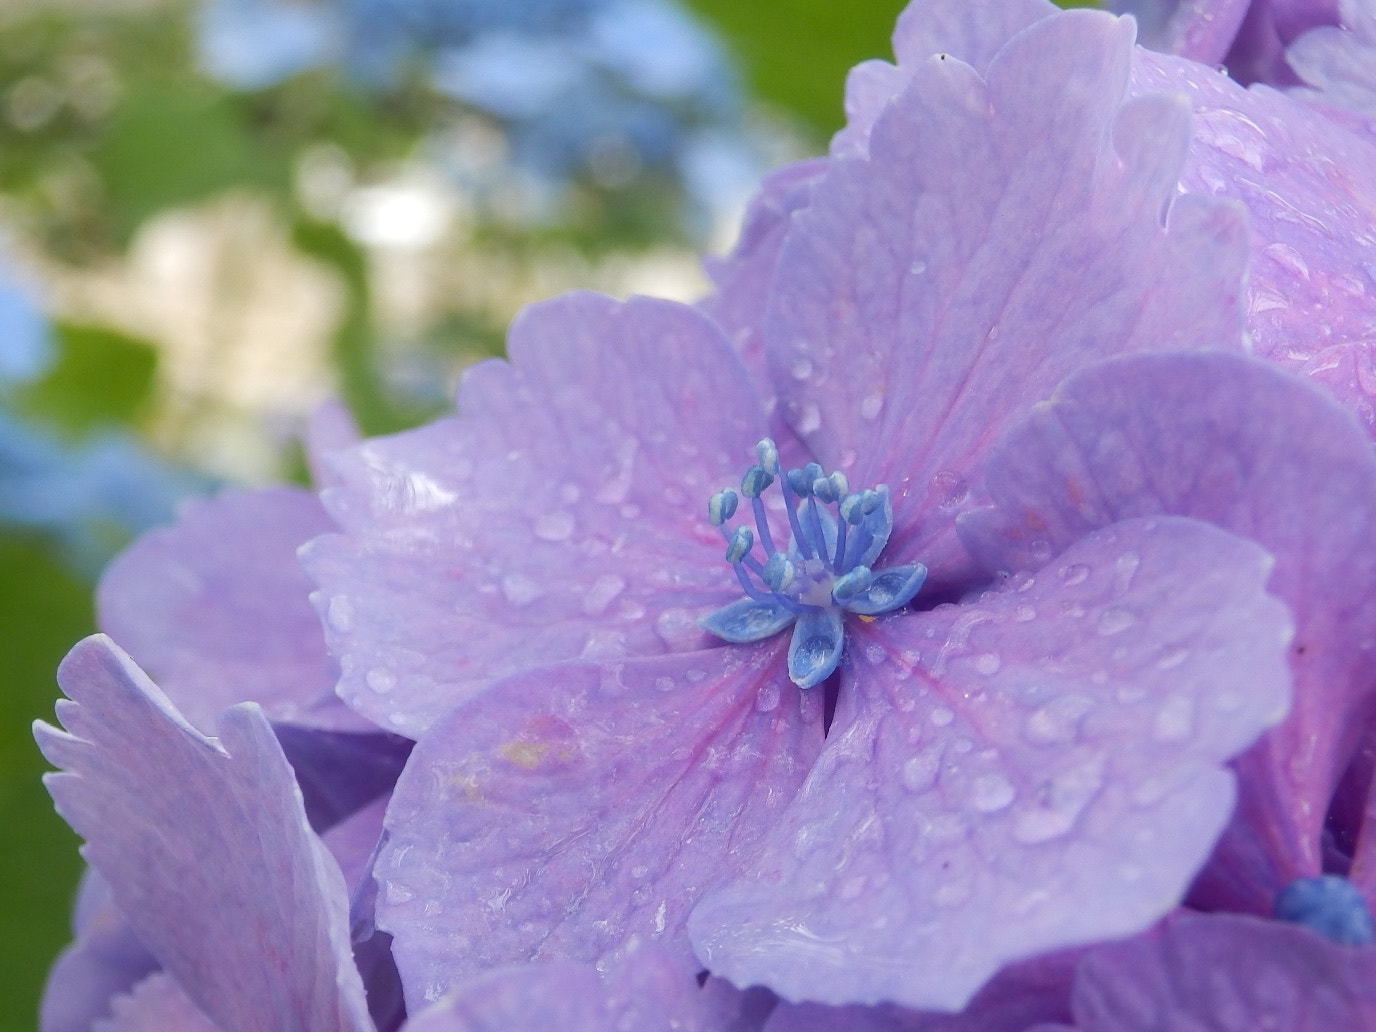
x=1036 y=769
x=573 y=807
x=557 y=517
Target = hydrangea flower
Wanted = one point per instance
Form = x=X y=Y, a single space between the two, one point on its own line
x=1124 y=589
x=899 y=346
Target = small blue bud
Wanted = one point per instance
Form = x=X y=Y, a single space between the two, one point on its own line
x=852 y=509
x=779 y=572
x=768 y=456
x=1329 y=905
x=872 y=500
x=828 y=489
x=755 y=481
x=721 y=507
x=799 y=483
x=742 y=541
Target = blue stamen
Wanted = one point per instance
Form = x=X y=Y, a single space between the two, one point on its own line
x=1329 y=905
x=721 y=507
x=826 y=571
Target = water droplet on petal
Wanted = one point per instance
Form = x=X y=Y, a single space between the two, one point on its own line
x=872 y=405
x=1172 y=659
x=1115 y=620
x=520 y=590
x=809 y=418
x=554 y=526
x=919 y=771
x=1075 y=573
x=1175 y=719
x=1024 y=614
x=678 y=629
x=1057 y=723
x=991 y=793
x=801 y=368
x=603 y=591
x=988 y=663
x=767 y=699
x=941 y=716
x=340 y=613
x=381 y=680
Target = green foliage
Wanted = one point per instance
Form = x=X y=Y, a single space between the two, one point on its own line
x=43 y=610
x=101 y=377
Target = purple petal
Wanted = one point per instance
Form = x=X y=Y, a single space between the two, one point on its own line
x=560 y=516
x=1016 y=998
x=1051 y=776
x=1240 y=444
x=1000 y=235
x=1202 y=30
x=331 y=429
x=206 y=848
x=1217 y=971
x=568 y=809
x=157 y=1004
x=105 y=961
x=646 y=991
x=1310 y=296
x=1339 y=63
x=218 y=609
x=339 y=774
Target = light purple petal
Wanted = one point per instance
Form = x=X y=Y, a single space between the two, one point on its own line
x=742 y=278
x=1311 y=288
x=331 y=429
x=339 y=773
x=1339 y=63
x=1036 y=769
x=217 y=608
x=1226 y=971
x=1000 y=235
x=157 y=1004
x=570 y=808
x=646 y=991
x=105 y=961
x=1016 y=998
x=1238 y=443
x=1202 y=30
x=561 y=515
x=206 y=848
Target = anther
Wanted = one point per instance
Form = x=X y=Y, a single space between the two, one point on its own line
x=739 y=544
x=849 y=585
x=779 y=572
x=768 y=456
x=721 y=507
x=756 y=479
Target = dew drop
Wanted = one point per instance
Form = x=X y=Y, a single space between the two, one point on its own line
x=569 y=494
x=949 y=488
x=809 y=418
x=1024 y=614
x=1124 y=570
x=991 y=793
x=556 y=525
x=630 y=511
x=397 y=893
x=767 y=699
x=1115 y=620
x=872 y=405
x=520 y=590
x=603 y=591
x=381 y=680
x=988 y=663
x=1172 y=659
x=941 y=716
x=801 y=368
x=919 y=771
x=1174 y=720
x=678 y=629
x=874 y=654
x=952 y=894
x=917 y=268
x=1075 y=573
x=340 y=613
x=1056 y=723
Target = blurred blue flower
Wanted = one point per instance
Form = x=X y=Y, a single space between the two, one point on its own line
x=604 y=90
x=91 y=496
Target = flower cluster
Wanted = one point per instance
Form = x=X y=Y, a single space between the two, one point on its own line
x=599 y=89
x=963 y=620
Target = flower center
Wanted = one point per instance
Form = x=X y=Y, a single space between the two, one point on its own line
x=826 y=571
x=1329 y=905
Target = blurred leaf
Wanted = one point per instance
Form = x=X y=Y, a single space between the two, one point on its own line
x=174 y=146
x=43 y=610
x=101 y=377
x=796 y=53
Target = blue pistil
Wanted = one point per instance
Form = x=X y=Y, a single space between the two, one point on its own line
x=1329 y=905
x=825 y=573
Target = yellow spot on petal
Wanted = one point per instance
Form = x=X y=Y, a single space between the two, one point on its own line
x=867 y=619
x=524 y=754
